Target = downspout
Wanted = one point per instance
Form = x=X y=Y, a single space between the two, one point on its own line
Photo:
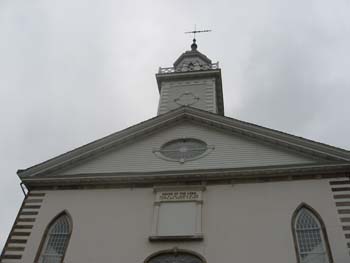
x=24 y=189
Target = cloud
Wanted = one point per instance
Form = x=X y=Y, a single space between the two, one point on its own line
x=74 y=71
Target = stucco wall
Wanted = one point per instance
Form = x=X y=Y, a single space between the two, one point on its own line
x=242 y=223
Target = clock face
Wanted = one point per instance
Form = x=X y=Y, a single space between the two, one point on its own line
x=183 y=149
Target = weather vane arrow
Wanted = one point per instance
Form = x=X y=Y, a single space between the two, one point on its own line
x=195 y=31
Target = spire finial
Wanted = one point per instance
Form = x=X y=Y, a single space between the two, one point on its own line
x=194 y=45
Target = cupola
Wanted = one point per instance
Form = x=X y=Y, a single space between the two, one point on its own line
x=193 y=81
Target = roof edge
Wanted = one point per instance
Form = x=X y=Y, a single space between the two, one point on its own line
x=191 y=53
x=251 y=130
x=261 y=174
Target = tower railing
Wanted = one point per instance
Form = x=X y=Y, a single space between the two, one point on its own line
x=186 y=68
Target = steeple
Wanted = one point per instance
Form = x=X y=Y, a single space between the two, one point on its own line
x=193 y=81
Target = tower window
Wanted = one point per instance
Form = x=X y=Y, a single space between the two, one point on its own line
x=310 y=237
x=55 y=240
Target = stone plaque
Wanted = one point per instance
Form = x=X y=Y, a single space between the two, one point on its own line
x=178 y=196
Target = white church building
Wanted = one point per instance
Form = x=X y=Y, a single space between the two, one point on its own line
x=187 y=186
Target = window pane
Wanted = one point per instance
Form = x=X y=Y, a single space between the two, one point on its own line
x=56 y=241
x=309 y=237
x=177 y=218
x=51 y=259
x=183 y=149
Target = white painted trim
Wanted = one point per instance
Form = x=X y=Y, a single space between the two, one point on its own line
x=304 y=146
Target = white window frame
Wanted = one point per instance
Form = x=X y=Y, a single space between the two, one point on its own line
x=322 y=231
x=42 y=253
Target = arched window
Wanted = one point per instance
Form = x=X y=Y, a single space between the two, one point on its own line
x=175 y=255
x=55 y=241
x=310 y=236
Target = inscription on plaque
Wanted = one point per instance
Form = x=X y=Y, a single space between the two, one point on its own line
x=169 y=196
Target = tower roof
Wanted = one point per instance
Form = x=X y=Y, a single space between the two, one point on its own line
x=192 y=54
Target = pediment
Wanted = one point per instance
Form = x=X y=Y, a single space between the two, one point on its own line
x=225 y=151
x=235 y=145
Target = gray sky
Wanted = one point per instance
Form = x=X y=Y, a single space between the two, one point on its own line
x=72 y=71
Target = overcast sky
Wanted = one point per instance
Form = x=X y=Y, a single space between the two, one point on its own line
x=73 y=71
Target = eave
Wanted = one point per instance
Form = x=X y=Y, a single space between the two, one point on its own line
x=214 y=176
x=327 y=153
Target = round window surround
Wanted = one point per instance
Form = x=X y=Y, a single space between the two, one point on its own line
x=183 y=150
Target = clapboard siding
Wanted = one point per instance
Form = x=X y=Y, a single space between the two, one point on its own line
x=231 y=151
x=204 y=89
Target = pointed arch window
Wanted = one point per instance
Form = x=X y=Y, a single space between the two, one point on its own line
x=55 y=241
x=310 y=237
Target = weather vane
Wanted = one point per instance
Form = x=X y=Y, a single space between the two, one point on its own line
x=195 y=31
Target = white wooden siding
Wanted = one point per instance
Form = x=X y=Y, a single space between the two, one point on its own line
x=204 y=89
x=231 y=151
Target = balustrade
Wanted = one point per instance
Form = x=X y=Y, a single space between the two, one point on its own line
x=186 y=68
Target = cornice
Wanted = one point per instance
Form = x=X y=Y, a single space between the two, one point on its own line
x=187 y=75
x=103 y=144
x=215 y=176
x=270 y=135
x=287 y=141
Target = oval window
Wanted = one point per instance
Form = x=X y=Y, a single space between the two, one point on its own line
x=183 y=149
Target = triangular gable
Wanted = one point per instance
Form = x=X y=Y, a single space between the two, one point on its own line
x=299 y=149
x=225 y=151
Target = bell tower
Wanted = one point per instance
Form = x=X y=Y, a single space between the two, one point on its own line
x=193 y=81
